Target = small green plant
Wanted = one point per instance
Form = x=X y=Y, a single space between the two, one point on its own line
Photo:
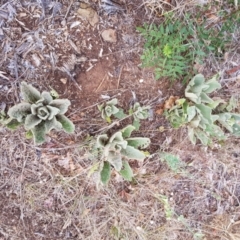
x=39 y=113
x=200 y=113
x=168 y=49
x=108 y=109
x=139 y=113
x=117 y=149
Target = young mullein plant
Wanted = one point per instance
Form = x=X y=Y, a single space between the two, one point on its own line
x=139 y=113
x=196 y=112
x=117 y=149
x=109 y=109
x=40 y=113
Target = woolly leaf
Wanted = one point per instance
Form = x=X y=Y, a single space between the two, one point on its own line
x=126 y=172
x=102 y=141
x=191 y=136
x=236 y=130
x=120 y=114
x=20 y=111
x=202 y=136
x=205 y=98
x=39 y=133
x=127 y=131
x=138 y=142
x=191 y=113
x=29 y=134
x=213 y=84
x=205 y=111
x=194 y=123
x=215 y=131
x=31 y=121
x=233 y=102
x=61 y=104
x=35 y=107
x=46 y=98
x=42 y=112
x=105 y=173
x=30 y=94
x=114 y=101
x=116 y=138
x=225 y=120
x=192 y=96
x=67 y=125
x=132 y=153
x=53 y=124
x=115 y=159
x=53 y=111
x=136 y=124
x=13 y=124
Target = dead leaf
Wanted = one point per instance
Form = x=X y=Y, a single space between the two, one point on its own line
x=90 y=14
x=170 y=102
x=109 y=35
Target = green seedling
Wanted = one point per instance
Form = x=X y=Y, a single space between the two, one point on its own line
x=201 y=113
x=139 y=113
x=40 y=113
x=117 y=149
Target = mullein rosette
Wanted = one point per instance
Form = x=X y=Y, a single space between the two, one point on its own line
x=40 y=113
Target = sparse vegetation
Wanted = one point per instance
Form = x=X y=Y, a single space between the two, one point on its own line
x=200 y=113
x=40 y=113
x=129 y=170
x=117 y=149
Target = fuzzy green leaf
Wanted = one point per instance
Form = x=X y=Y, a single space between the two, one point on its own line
x=42 y=112
x=236 y=130
x=115 y=159
x=132 y=153
x=126 y=172
x=102 y=141
x=191 y=113
x=29 y=134
x=53 y=124
x=30 y=94
x=114 y=101
x=213 y=84
x=136 y=124
x=205 y=98
x=53 y=111
x=202 y=136
x=20 y=111
x=138 y=142
x=61 y=104
x=67 y=125
x=46 y=98
x=191 y=136
x=120 y=114
x=205 y=111
x=13 y=124
x=192 y=96
x=39 y=133
x=127 y=131
x=194 y=123
x=105 y=173
x=31 y=121
x=117 y=138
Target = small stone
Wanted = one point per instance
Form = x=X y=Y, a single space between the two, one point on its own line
x=63 y=80
x=90 y=14
x=109 y=35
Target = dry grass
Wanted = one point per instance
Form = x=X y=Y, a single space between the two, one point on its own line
x=46 y=192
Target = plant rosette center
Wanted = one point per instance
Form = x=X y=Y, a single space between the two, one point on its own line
x=44 y=112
